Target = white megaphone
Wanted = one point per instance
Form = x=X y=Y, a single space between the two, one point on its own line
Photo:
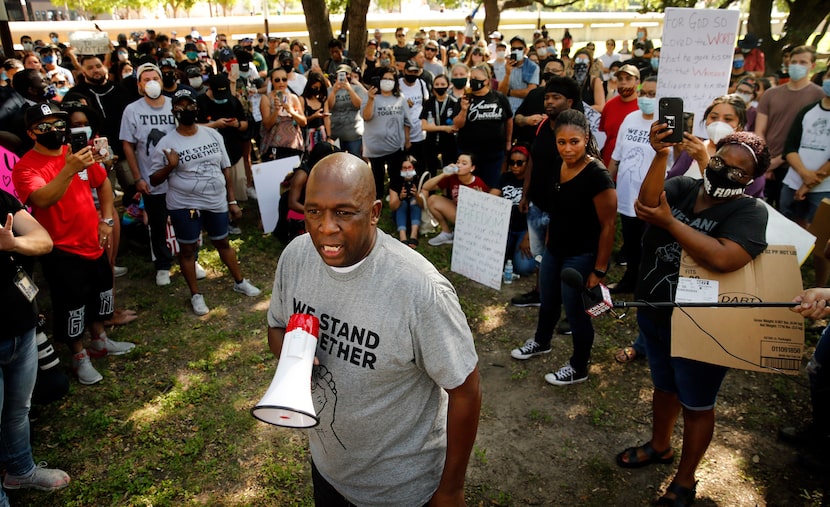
x=288 y=400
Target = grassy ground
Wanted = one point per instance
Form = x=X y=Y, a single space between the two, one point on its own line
x=170 y=423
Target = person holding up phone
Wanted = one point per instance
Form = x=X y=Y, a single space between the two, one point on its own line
x=282 y=119
x=346 y=122
x=520 y=74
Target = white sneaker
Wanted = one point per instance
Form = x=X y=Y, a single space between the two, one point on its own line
x=444 y=238
x=119 y=271
x=247 y=288
x=198 y=303
x=200 y=272
x=107 y=347
x=163 y=277
x=87 y=374
x=234 y=229
x=251 y=191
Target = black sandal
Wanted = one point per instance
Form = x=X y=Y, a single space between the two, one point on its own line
x=652 y=457
x=682 y=496
x=412 y=242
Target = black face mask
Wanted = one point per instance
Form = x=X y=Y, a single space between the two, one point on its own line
x=168 y=79
x=547 y=76
x=186 y=117
x=410 y=78
x=459 y=82
x=476 y=84
x=52 y=140
x=440 y=91
x=287 y=66
x=717 y=184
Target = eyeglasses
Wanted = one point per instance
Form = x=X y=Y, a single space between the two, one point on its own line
x=735 y=174
x=48 y=127
x=513 y=162
x=280 y=80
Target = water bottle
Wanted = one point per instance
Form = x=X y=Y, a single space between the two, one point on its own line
x=430 y=119
x=508 y=271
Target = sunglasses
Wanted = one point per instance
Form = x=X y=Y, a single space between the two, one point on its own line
x=513 y=162
x=280 y=79
x=189 y=107
x=735 y=174
x=48 y=127
x=430 y=49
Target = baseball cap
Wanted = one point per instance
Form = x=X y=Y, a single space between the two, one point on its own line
x=220 y=86
x=750 y=41
x=225 y=55
x=38 y=112
x=344 y=68
x=190 y=47
x=412 y=66
x=184 y=94
x=630 y=70
x=496 y=35
x=245 y=40
x=372 y=42
x=167 y=62
x=145 y=67
x=193 y=71
x=431 y=44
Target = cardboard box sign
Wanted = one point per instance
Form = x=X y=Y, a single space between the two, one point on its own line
x=757 y=339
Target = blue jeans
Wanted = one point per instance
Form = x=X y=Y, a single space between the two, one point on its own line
x=489 y=168
x=408 y=209
x=521 y=264
x=537 y=227
x=805 y=210
x=354 y=147
x=554 y=294
x=18 y=371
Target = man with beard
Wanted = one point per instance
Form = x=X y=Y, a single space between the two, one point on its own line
x=616 y=109
x=30 y=87
x=109 y=100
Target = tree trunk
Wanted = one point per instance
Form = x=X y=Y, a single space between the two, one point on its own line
x=492 y=18
x=804 y=18
x=358 y=35
x=319 y=27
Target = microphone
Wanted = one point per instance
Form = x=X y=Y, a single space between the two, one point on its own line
x=596 y=301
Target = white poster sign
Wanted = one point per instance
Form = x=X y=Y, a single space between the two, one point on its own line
x=90 y=43
x=481 y=226
x=696 y=57
x=267 y=179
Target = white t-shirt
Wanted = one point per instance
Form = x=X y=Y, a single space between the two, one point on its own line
x=415 y=95
x=634 y=154
x=607 y=60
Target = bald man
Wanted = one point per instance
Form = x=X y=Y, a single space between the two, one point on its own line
x=397 y=384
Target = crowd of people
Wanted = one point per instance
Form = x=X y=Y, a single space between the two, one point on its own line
x=566 y=134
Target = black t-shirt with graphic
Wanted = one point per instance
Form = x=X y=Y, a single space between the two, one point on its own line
x=511 y=188
x=484 y=132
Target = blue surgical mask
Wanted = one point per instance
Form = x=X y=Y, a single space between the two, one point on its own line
x=738 y=64
x=655 y=62
x=646 y=104
x=3 y=76
x=825 y=85
x=49 y=59
x=453 y=60
x=220 y=101
x=62 y=91
x=797 y=71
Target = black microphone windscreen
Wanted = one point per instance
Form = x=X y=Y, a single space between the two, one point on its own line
x=572 y=278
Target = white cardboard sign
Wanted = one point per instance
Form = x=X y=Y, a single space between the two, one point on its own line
x=267 y=179
x=481 y=226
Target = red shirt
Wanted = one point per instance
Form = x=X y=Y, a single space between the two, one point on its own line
x=613 y=114
x=451 y=183
x=72 y=222
x=754 y=61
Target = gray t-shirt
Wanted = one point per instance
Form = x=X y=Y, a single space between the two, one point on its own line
x=145 y=126
x=197 y=182
x=392 y=335
x=384 y=133
x=346 y=121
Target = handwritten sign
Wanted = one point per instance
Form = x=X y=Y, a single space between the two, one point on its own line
x=481 y=228
x=267 y=179
x=696 y=57
x=90 y=43
x=7 y=162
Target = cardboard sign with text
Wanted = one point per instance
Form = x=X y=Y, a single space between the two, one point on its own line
x=758 y=339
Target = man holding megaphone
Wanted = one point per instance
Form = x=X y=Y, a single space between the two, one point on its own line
x=396 y=384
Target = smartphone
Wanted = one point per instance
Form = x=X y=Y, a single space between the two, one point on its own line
x=235 y=69
x=315 y=62
x=77 y=139
x=512 y=57
x=376 y=82
x=341 y=76
x=101 y=146
x=688 y=122
x=670 y=110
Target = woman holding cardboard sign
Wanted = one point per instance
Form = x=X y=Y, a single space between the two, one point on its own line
x=723 y=230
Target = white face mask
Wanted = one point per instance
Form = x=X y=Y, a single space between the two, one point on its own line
x=408 y=175
x=520 y=55
x=387 y=85
x=195 y=82
x=541 y=52
x=717 y=130
x=746 y=97
x=500 y=55
x=152 y=89
x=639 y=52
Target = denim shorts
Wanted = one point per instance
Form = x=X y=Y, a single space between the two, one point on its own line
x=696 y=384
x=188 y=224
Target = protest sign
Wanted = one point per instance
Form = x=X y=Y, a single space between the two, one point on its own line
x=696 y=58
x=90 y=43
x=482 y=221
x=267 y=179
x=7 y=161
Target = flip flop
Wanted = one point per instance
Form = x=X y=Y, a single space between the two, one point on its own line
x=626 y=355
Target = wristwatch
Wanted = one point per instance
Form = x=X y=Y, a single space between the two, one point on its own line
x=600 y=273
x=108 y=221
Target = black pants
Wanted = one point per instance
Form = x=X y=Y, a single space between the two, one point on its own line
x=324 y=493
x=632 y=233
x=156 y=208
x=388 y=163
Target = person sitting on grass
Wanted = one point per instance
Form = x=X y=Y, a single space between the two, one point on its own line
x=443 y=207
x=511 y=187
x=403 y=201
